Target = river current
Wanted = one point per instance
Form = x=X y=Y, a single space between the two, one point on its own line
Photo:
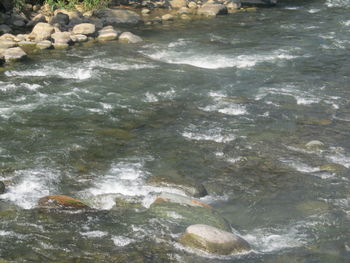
x=229 y=102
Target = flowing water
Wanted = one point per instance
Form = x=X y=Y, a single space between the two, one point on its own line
x=228 y=102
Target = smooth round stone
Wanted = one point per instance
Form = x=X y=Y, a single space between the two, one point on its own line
x=79 y=38
x=129 y=38
x=62 y=45
x=213 y=240
x=314 y=145
x=84 y=29
x=60 y=201
x=2 y=187
x=14 y=54
x=167 y=17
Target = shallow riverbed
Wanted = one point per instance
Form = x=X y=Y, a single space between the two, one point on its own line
x=229 y=102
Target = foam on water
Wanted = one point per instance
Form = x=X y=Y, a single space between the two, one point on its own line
x=30 y=186
x=266 y=240
x=339 y=158
x=338 y=3
x=121 y=241
x=51 y=71
x=126 y=178
x=94 y=234
x=215 y=61
x=214 y=134
x=299 y=166
x=122 y=66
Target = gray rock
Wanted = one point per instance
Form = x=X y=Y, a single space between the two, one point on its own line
x=61 y=37
x=209 y=9
x=2 y=187
x=178 y=3
x=14 y=54
x=37 y=19
x=117 y=16
x=84 y=29
x=180 y=199
x=27 y=44
x=45 y=44
x=213 y=240
x=42 y=31
x=5 y=29
x=130 y=38
x=60 y=18
x=18 y=23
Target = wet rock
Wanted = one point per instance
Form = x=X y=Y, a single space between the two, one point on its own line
x=312 y=207
x=84 y=29
x=167 y=17
x=26 y=44
x=210 y=9
x=42 y=31
x=178 y=3
x=233 y=5
x=108 y=33
x=117 y=16
x=5 y=29
x=185 y=17
x=187 y=213
x=314 y=145
x=45 y=44
x=2 y=187
x=213 y=240
x=190 y=187
x=60 y=202
x=14 y=54
x=130 y=38
x=314 y=121
x=79 y=38
x=180 y=199
x=7 y=36
x=184 y=10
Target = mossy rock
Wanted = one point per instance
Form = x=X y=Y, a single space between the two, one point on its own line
x=117 y=133
x=188 y=215
x=60 y=202
x=315 y=121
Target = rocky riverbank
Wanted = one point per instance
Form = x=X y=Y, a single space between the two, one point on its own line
x=39 y=27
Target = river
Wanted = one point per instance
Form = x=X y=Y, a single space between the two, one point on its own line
x=229 y=102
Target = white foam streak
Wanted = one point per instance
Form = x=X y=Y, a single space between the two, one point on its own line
x=216 y=135
x=121 y=241
x=50 y=71
x=94 y=234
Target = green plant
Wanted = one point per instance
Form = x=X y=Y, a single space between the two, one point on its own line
x=19 y=4
x=71 y=4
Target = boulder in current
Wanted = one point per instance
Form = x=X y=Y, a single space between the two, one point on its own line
x=130 y=38
x=213 y=240
x=60 y=202
x=14 y=54
x=210 y=9
x=2 y=187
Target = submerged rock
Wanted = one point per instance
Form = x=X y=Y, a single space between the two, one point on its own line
x=190 y=187
x=130 y=38
x=332 y=167
x=14 y=54
x=210 y=9
x=186 y=211
x=262 y=3
x=60 y=202
x=2 y=187
x=213 y=240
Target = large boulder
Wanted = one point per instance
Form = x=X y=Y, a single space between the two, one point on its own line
x=213 y=240
x=45 y=44
x=60 y=202
x=180 y=199
x=62 y=40
x=117 y=16
x=42 y=31
x=14 y=54
x=37 y=19
x=128 y=37
x=7 y=43
x=61 y=19
x=211 y=9
x=2 y=187
x=84 y=29
x=5 y=29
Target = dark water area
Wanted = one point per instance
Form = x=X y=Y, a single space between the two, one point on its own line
x=231 y=103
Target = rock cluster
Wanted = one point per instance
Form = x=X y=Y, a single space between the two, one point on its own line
x=63 y=28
